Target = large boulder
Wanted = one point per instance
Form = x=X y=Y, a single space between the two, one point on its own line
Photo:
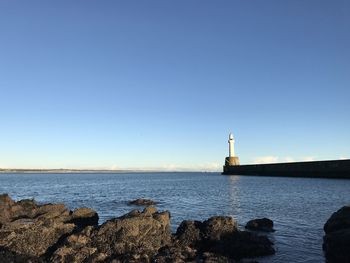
x=338 y=220
x=31 y=232
x=76 y=247
x=214 y=240
x=135 y=233
x=189 y=233
x=134 y=237
x=336 y=242
x=142 y=202
x=83 y=217
x=243 y=244
x=217 y=227
x=5 y=205
x=261 y=224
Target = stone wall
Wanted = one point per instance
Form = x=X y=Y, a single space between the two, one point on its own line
x=320 y=169
x=229 y=161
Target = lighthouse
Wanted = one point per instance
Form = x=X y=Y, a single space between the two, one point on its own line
x=231 y=159
x=231 y=142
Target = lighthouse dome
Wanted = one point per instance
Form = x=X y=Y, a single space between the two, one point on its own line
x=231 y=136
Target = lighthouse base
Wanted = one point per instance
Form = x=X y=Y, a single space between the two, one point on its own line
x=231 y=161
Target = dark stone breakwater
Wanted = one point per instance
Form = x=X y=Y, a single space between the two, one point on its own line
x=36 y=233
x=317 y=169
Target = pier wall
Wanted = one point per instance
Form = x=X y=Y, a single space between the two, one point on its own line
x=319 y=169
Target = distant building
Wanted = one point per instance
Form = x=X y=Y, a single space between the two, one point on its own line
x=231 y=159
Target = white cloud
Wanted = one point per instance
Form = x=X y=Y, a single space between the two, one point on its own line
x=265 y=159
x=343 y=158
x=288 y=160
x=277 y=159
x=115 y=167
x=205 y=167
x=308 y=159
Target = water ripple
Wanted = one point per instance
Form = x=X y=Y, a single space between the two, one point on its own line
x=298 y=206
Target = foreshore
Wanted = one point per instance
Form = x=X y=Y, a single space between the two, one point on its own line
x=40 y=233
x=32 y=232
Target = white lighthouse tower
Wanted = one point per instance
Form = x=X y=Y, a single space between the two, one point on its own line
x=231 y=159
x=231 y=142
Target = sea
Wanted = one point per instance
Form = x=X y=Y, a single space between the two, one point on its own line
x=299 y=207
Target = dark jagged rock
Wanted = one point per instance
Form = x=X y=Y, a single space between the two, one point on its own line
x=243 y=244
x=32 y=232
x=215 y=228
x=336 y=246
x=339 y=220
x=5 y=206
x=35 y=233
x=83 y=217
x=142 y=202
x=135 y=236
x=261 y=224
x=215 y=240
x=142 y=233
x=189 y=233
x=76 y=247
x=336 y=242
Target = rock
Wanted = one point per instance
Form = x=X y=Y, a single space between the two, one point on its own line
x=339 y=220
x=76 y=247
x=143 y=233
x=142 y=202
x=176 y=253
x=5 y=200
x=134 y=237
x=336 y=246
x=243 y=244
x=189 y=233
x=35 y=233
x=263 y=224
x=214 y=258
x=5 y=205
x=83 y=217
x=336 y=242
x=217 y=240
x=32 y=232
x=217 y=227
x=34 y=239
x=150 y=210
x=196 y=233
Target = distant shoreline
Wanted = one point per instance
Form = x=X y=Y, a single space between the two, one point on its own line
x=72 y=171
x=60 y=171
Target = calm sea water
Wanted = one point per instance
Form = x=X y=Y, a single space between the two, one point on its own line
x=299 y=207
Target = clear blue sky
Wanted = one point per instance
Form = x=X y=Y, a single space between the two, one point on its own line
x=160 y=84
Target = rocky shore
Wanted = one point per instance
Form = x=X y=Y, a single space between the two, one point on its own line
x=32 y=232
x=336 y=242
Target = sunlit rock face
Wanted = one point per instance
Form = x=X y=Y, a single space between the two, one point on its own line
x=134 y=237
x=30 y=232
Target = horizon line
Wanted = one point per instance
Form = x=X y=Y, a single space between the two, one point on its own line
x=95 y=170
x=146 y=170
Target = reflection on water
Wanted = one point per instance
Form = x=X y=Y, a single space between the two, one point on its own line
x=299 y=207
x=234 y=195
